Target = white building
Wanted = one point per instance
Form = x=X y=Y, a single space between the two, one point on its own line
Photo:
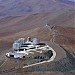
x=22 y=47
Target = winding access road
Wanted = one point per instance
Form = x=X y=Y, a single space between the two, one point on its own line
x=51 y=59
x=58 y=53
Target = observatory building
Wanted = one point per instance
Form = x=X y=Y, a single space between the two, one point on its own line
x=29 y=48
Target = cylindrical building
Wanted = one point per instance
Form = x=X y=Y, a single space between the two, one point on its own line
x=36 y=41
x=16 y=46
x=20 y=40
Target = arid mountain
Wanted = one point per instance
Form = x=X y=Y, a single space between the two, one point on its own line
x=19 y=15
x=12 y=25
x=22 y=7
x=65 y=37
x=16 y=24
x=28 y=18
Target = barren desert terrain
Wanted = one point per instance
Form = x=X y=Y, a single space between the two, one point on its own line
x=28 y=18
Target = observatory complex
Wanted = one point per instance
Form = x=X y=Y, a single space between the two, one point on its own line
x=30 y=48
